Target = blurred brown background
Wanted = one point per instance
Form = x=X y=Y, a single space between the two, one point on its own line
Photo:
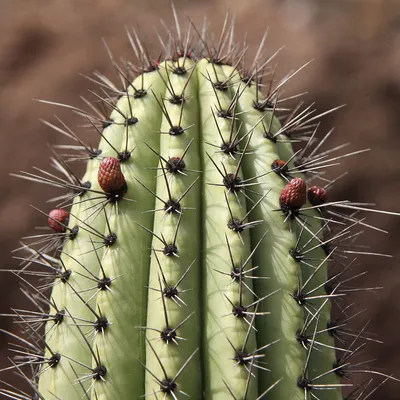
x=45 y=45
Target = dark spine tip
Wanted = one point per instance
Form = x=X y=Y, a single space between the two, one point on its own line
x=168 y=335
x=85 y=186
x=168 y=386
x=104 y=283
x=101 y=324
x=170 y=292
x=303 y=339
x=152 y=67
x=239 y=311
x=179 y=70
x=170 y=250
x=121 y=94
x=331 y=329
x=176 y=131
x=110 y=239
x=242 y=358
x=237 y=274
x=139 y=93
x=231 y=182
x=94 y=153
x=340 y=370
x=99 y=372
x=236 y=225
x=74 y=232
x=65 y=276
x=175 y=165
x=124 y=156
x=263 y=106
x=270 y=136
x=304 y=383
x=229 y=148
x=296 y=255
x=59 y=317
x=172 y=206
x=176 y=99
x=300 y=298
x=54 y=360
x=215 y=60
x=247 y=80
x=131 y=121
x=106 y=124
x=329 y=287
x=221 y=86
x=225 y=114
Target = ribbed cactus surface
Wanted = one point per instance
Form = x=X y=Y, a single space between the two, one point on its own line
x=191 y=260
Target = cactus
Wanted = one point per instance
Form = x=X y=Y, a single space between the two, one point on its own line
x=193 y=260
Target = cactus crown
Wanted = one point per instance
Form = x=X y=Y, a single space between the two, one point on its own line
x=194 y=259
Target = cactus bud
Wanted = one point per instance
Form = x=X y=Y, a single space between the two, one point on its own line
x=293 y=195
x=317 y=195
x=280 y=167
x=58 y=220
x=110 y=176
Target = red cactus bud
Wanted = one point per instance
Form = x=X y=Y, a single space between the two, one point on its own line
x=317 y=195
x=58 y=220
x=293 y=195
x=279 y=166
x=110 y=176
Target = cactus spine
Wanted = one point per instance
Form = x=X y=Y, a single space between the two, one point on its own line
x=192 y=263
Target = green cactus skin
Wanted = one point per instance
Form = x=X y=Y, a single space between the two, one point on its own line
x=195 y=279
x=272 y=257
x=80 y=261
x=314 y=273
x=224 y=331
x=129 y=291
x=79 y=251
x=181 y=227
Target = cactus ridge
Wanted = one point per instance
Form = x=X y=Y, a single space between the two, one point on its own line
x=202 y=255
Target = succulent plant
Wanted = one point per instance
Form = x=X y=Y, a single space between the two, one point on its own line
x=193 y=260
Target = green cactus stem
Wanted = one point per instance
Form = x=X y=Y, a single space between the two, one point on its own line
x=193 y=260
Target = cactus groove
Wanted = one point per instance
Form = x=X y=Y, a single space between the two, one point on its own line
x=195 y=259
